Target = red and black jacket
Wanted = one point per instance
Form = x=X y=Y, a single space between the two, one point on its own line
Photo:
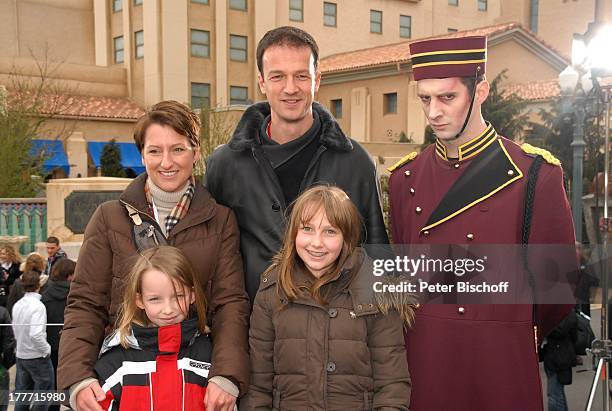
x=165 y=368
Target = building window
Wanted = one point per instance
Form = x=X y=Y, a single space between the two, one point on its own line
x=406 y=26
x=118 y=49
x=200 y=95
x=139 y=44
x=200 y=1
x=482 y=5
x=330 y=11
x=453 y=2
x=336 y=108
x=390 y=103
x=238 y=4
x=200 y=43
x=137 y=2
x=451 y=30
x=296 y=10
x=375 y=21
x=239 y=95
x=238 y=48
x=117 y=5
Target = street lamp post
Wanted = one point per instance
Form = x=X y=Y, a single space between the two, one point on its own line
x=578 y=151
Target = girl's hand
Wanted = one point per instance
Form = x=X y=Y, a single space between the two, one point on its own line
x=87 y=399
x=218 y=400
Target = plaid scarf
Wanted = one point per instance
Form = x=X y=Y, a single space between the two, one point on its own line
x=179 y=210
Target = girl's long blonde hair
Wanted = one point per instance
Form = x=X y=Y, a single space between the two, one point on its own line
x=170 y=261
x=341 y=213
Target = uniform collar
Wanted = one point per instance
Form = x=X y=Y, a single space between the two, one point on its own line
x=472 y=147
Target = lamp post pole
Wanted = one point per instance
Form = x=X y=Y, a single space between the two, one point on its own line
x=578 y=149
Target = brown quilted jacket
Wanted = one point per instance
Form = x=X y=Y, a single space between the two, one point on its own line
x=209 y=237
x=345 y=355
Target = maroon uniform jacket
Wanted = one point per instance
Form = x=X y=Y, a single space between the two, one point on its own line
x=477 y=357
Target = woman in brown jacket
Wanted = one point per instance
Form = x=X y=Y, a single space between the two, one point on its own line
x=165 y=205
x=318 y=338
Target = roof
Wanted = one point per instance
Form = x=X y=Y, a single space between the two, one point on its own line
x=535 y=90
x=121 y=108
x=96 y=106
x=400 y=52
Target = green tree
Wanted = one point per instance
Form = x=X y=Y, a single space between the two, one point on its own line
x=27 y=103
x=505 y=111
x=110 y=160
x=555 y=134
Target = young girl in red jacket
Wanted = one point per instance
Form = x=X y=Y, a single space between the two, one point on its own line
x=158 y=357
x=319 y=338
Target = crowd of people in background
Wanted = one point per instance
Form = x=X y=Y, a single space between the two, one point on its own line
x=33 y=293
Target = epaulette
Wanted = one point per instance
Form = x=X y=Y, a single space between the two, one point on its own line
x=546 y=155
x=403 y=161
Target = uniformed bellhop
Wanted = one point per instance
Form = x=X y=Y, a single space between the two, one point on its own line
x=470 y=188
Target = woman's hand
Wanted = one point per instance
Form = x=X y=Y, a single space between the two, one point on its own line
x=87 y=399
x=218 y=400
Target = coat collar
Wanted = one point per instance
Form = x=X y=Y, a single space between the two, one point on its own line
x=202 y=207
x=357 y=284
x=169 y=338
x=247 y=130
x=472 y=147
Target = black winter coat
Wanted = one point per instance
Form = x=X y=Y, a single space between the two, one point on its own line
x=54 y=298
x=7 y=340
x=239 y=176
x=559 y=353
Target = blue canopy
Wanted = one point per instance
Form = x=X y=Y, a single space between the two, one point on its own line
x=53 y=151
x=130 y=157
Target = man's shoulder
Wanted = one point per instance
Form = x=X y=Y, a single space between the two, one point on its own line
x=527 y=153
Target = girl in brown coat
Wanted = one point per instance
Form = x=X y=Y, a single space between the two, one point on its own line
x=318 y=339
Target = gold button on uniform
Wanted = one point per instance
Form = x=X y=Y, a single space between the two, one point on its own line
x=461 y=310
x=470 y=236
x=426 y=233
x=510 y=172
x=418 y=210
x=411 y=190
x=456 y=165
x=407 y=173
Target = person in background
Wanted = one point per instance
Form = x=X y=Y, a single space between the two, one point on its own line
x=34 y=368
x=9 y=264
x=54 y=253
x=7 y=353
x=54 y=298
x=33 y=262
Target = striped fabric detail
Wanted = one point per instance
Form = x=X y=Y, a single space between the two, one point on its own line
x=129 y=368
x=472 y=147
x=180 y=209
x=445 y=57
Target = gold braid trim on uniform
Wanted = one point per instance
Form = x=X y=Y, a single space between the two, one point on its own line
x=403 y=161
x=546 y=155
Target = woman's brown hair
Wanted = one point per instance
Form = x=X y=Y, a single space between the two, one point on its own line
x=170 y=261
x=172 y=114
x=33 y=262
x=341 y=213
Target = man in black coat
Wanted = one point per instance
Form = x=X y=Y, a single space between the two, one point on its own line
x=282 y=147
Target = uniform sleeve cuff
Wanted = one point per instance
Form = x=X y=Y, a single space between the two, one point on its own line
x=226 y=385
x=78 y=387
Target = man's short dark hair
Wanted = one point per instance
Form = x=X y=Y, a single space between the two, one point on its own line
x=30 y=280
x=286 y=36
x=53 y=240
x=470 y=84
